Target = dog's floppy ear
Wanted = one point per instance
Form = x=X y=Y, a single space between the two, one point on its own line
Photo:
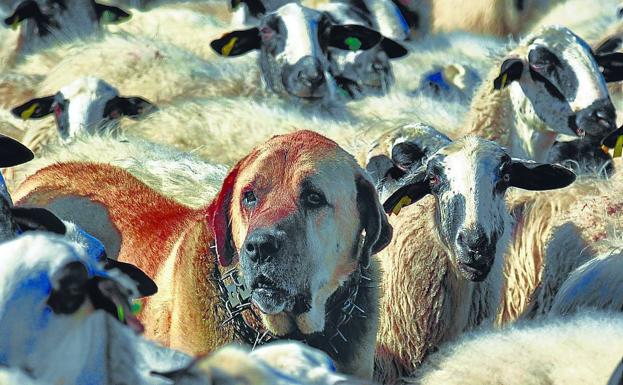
x=373 y=219
x=510 y=71
x=220 y=221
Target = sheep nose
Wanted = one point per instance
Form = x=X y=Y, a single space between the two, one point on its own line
x=261 y=245
x=596 y=120
x=474 y=243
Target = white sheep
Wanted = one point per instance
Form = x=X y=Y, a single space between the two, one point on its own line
x=44 y=23
x=442 y=271
x=584 y=349
x=49 y=296
x=88 y=105
x=550 y=83
x=596 y=284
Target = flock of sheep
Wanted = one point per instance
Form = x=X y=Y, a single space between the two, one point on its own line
x=311 y=192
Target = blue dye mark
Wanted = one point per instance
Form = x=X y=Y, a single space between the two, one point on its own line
x=95 y=248
x=401 y=19
x=313 y=26
x=437 y=78
x=583 y=283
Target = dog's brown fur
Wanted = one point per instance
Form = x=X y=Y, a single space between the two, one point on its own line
x=171 y=242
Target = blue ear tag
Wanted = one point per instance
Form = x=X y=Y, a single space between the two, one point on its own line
x=437 y=78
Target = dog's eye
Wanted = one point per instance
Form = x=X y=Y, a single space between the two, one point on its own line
x=314 y=199
x=249 y=199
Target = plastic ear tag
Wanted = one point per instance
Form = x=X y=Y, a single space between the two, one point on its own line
x=353 y=43
x=136 y=307
x=226 y=50
x=404 y=201
x=15 y=24
x=504 y=80
x=29 y=111
x=618 y=148
x=120 y=313
x=605 y=149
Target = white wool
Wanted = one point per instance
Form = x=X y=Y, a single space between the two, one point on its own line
x=584 y=349
x=595 y=284
x=66 y=348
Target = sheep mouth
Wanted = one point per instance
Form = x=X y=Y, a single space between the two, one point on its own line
x=474 y=273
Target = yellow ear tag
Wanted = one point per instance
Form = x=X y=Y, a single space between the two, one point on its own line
x=404 y=201
x=15 y=24
x=618 y=148
x=504 y=80
x=226 y=50
x=28 y=112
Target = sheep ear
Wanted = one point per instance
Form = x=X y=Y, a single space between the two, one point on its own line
x=510 y=71
x=145 y=285
x=13 y=152
x=373 y=219
x=132 y=107
x=539 y=176
x=34 y=109
x=38 y=219
x=25 y=10
x=220 y=222
x=380 y=167
x=352 y=37
x=407 y=195
x=393 y=49
x=611 y=66
x=237 y=43
x=107 y=14
x=610 y=45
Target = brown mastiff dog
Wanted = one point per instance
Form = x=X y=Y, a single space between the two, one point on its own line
x=282 y=252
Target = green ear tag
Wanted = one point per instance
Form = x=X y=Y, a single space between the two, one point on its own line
x=120 y=314
x=136 y=307
x=353 y=43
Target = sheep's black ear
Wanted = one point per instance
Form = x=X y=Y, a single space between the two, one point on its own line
x=612 y=44
x=352 y=37
x=510 y=71
x=393 y=49
x=13 y=152
x=146 y=286
x=38 y=219
x=34 y=109
x=408 y=194
x=237 y=43
x=132 y=107
x=539 y=176
x=69 y=288
x=611 y=65
x=107 y=14
x=28 y=9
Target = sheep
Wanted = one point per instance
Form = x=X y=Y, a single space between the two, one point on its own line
x=279 y=363
x=550 y=83
x=596 y=284
x=583 y=349
x=497 y=17
x=583 y=156
x=87 y=104
x=51 y=325
x=443 y=268
x=291 y=41
x=364 y=72
x=51 y=20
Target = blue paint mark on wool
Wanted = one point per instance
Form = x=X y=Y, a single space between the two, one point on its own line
x=95 y=248
x=437 y=78
x=401 y=19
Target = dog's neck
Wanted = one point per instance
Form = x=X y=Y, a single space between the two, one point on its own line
x=349 y=303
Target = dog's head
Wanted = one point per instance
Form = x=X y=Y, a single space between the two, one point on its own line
x=292 y=214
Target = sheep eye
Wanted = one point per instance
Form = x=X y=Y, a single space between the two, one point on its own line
x=249 y=199
x=267 y=33
x=435 y=180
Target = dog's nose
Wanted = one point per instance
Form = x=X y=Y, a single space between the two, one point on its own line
x=261 y=245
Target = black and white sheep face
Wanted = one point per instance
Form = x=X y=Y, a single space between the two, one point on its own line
x=559 y=83
x=47 y=289
x=469 y=179
x=62 y=18
x=293 y=42
x=85 y=105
